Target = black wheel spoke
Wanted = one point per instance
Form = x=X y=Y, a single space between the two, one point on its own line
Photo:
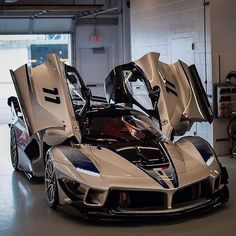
x=14 y=153
x=50 y=184
x=48 y=173
x=47 y=180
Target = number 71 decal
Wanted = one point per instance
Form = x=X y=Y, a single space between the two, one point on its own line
x=53 y=98
x=170 y=88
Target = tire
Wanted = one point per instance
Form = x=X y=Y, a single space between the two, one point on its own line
x=50 y=184
x=13 y=150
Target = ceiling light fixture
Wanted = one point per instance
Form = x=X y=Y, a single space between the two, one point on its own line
x=10 y=1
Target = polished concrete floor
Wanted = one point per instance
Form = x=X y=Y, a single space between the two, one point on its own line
x=23 y=210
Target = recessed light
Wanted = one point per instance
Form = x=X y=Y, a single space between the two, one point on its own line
x=10 y=1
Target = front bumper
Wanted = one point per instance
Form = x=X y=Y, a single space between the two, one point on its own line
x=106 y=213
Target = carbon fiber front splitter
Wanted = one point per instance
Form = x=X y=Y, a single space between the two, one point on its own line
x=216 y=200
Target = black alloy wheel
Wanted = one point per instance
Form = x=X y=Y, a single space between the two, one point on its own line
x=13 y=150
x=50 y=183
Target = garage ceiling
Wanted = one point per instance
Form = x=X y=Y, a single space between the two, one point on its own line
x=54 y=16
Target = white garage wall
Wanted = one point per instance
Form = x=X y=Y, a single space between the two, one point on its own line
x=156 y=25
x=109 y=39
x=223 y=33
x=97 y=65
x=115 y=40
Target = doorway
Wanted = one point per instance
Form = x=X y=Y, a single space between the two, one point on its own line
x=182 y=49
x=94 y=66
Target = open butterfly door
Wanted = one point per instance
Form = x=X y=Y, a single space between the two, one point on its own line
x=45 y=101
x=174 y=91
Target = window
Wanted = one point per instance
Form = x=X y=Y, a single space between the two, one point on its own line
x=127 y=127
x=16 y=50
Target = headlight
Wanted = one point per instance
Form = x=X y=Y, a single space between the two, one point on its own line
x=88 y=172
x=206 y=152
x=204 y=149
x=84 y=165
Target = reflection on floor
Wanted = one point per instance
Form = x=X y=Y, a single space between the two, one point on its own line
x=23 y=210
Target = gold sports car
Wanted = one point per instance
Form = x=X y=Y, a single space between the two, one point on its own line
x=115 y=157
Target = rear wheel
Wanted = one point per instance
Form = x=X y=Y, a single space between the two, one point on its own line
x=14 y=151
x=51 y=190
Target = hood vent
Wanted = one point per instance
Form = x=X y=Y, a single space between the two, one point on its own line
x=145 y=157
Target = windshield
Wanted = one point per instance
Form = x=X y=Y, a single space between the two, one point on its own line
x=124 y=128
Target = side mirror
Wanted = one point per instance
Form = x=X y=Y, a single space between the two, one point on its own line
x=231 y=78
x=13 y=100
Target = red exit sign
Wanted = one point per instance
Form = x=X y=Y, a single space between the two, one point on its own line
x=95 y=38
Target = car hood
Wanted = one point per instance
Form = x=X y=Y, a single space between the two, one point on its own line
x=164 y=162
x=117 y=171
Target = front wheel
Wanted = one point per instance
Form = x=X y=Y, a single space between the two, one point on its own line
x=50 y=183
x=14 y=151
